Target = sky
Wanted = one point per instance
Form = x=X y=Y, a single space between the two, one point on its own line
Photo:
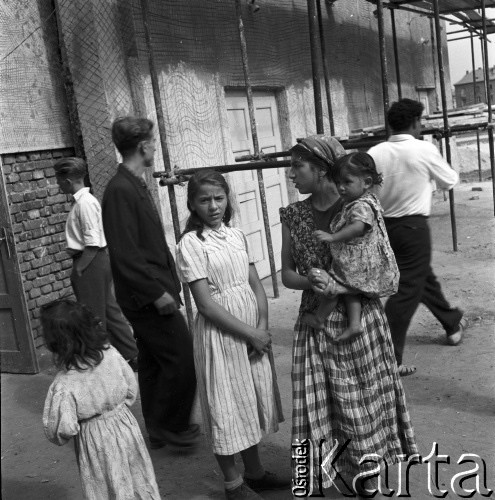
x=460 y=51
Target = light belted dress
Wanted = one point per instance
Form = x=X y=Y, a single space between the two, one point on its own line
x=238 y=395
x=92 y=406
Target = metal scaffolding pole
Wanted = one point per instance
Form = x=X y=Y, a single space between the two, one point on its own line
x=313 y=42
x=256 y=147
x=396 y=54
x=433 y=62
x=325 y=68
x=383 y=60
x=447 y=132
x=488 y=98
x=474 y=98
x=163 y=140
x=180 y=175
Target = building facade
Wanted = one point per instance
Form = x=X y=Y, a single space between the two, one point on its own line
x=469 y=90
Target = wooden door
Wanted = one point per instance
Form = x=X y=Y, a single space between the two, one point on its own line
x=16 y=343
x=246 y=183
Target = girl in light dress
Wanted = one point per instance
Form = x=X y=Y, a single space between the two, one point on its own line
x=362 y=258
x=237 y=386
x=89 y=401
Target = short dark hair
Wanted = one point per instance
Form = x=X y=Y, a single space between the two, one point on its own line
x=129 y=131
x=402 y=113
x=70 y=168
x=73 y=334
x=359 y=164
x=206 y=176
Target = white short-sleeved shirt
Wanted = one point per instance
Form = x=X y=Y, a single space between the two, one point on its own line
x=409 y=166
x=84 y=227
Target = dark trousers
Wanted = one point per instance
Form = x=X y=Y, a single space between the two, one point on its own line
x=411 y=242
x=167 y=380
x=95 y=289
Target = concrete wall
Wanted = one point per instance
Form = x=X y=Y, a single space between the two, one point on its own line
x=33 y=107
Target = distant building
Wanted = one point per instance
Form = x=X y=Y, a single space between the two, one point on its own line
x=465 y=92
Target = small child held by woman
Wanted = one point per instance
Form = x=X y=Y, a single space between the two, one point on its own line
x=89 y=401
x=362 y=259
x=237 y=386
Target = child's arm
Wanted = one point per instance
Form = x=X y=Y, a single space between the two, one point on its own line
x=60 y=417
x=347 y=233
x=259 y=292
x=220 y=317
x=89 y=253
x=91 y=226
x=130 y=380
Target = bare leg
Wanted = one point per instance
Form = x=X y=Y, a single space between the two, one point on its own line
x=228 y=467
x=317 y=319
x=353 y=307
x=252 y=462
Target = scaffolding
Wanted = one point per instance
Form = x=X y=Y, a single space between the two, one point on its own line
x=460 y=12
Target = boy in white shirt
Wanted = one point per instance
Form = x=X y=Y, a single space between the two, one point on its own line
x=91 y=276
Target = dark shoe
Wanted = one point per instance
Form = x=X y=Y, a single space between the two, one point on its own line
x=156 y=443
x=186 y=439
x=456 y=337
x=242 y=492
x=133 y=364
x=269 y=481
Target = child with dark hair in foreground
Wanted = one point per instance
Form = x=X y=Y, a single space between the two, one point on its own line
x=362 y=259
x=89 y=401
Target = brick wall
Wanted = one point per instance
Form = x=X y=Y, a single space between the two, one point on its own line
x=38 y=212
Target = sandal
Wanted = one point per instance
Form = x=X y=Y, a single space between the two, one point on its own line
x=405 y=370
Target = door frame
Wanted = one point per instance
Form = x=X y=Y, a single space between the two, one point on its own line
x=23 y=360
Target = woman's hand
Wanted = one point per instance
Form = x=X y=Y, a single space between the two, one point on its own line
x=319 y=280
x=261 y=341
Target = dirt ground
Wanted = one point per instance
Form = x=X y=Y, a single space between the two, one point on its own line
x=451 y=397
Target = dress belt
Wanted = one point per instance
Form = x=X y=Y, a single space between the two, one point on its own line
x=100 y=416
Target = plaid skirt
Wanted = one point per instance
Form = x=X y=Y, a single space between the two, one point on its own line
x=349 y=391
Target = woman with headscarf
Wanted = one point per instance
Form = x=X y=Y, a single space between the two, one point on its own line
x=348 y=399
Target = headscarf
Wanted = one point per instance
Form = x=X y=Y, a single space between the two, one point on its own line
x=325 y=147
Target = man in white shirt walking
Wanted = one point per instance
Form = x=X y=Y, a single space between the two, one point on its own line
x=91 y=276
x=409 y=166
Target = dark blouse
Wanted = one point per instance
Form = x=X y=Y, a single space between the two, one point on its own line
x=323 y=218
x=302 y=221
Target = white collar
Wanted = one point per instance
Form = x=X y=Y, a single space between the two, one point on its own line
x=80 y=193
x=221 y=231
x=401 y=137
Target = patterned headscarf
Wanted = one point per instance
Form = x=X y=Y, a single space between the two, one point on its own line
x=325 y=147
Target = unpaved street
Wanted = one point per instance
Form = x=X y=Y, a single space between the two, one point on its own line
x=451 y=397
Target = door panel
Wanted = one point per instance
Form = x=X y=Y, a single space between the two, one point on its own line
x=246 y=182
x=16 y=343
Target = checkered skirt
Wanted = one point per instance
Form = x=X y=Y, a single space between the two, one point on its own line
x=350 y=391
